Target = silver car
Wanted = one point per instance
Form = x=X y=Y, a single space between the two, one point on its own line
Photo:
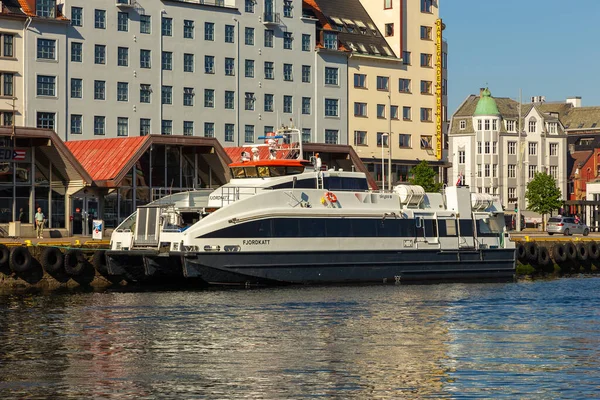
x=566 y=226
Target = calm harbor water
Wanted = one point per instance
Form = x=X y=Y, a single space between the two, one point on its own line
x=521 y=340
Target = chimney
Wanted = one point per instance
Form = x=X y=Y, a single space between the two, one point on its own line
x=575 y=101
x=571 y=148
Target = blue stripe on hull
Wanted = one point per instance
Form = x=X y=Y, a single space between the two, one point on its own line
x=352 y=267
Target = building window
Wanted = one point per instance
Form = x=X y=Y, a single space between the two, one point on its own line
x=394 y=112
x=76 y=16
x=188 y=96
x=99 y=90
x=123 y=56
x=166 y=127
x=269 y=33
x=553 y=149
x=46 y=85
x=331 y=76
x=406 y=57
x=360 y=138
x=249 y=68
x=331 y=107
x=306 y=105
x=532 y=125
x=209 y=64
x=188 y=62
x=360 y=81
x=406 y=113
x=554 y=171
x=305 y=42
x=382 y=139
x=479 y=174
x=486 y=147
x=249 y=36
x=512 y=194
x=287 y=8
x=46 y=120
x=426 y=142
x=229 y=33
x=209 y=129
x=494 y=124
x=382 y=83
x=76 y=88
x=123 y=21
x=425 y=60
x=76 y=124
x=229 y=66
x=287 y=104
x=99 y=54
x=249 y=6
x=188 y=128
x=404 y=85
x=461 y=157
x=426 y=6
x=479 y=148
x=167 y=61
x=426 y=114
x=287 y=72
x=46 y=49
x=404 y=140
x=249 y=101
x=552 y=127
x=269 y=70
x=229 y=129
x=145 y=27
x=512 y=148
x=360 y=109
x=209 y=31
x=306 y=135
x=100 y=19
x=99 y=125
x=512 y=171
x=387 y=4
x=331 y=136
x=532 y=146
x=486 y=170
x=425 y=32
x=268 y=103
x=7 y=45
x=144 y=126
x=122 y=126
x=532 y=171
x=463 y=125
x=306 y=73
x=487 y=124
x=122 y=91
x=188 y=29
x=380 y=110
x=287 y=40
x=76 y=52
x=209 y=98
x=145 y=59
x=330 y=40
x=425 y=87
x=145 y=93
x=445 y=87
x=167 y=26
x=229 y=99
x=389 y=29
x=479 y=125
x=249 y=133
x=167 y=95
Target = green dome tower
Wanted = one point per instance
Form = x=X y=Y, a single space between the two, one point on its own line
x=486 y=105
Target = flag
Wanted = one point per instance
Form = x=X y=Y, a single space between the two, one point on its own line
x=18 y=155
x=459 y=182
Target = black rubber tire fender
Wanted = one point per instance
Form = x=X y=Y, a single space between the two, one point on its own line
x=582 y=252
x=521 y=254
x=52 y=259
x=543 y=256
x=20 y=259
x=74 y=262
x=570 y=250
x=559 y=253
x=593 y=250
x=532 y=250
x=4 y=255
x=99 y=262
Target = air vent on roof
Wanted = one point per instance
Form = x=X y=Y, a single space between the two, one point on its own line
x=594 y=125
x=351 y=45
x=362 y=48
x=371 y=26
x=388 y=51
x=337 y=20
x=360 y=24
x=374 y=49
x=348 y=22
x=580 y=126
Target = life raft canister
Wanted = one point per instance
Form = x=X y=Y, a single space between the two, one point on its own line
x=331 y=197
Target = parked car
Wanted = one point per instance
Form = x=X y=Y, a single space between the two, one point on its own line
x=566 y=226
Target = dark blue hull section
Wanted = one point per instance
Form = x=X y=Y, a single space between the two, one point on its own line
x=238 y=268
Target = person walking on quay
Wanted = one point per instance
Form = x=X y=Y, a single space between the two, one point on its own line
x=39 y=223
x=22 y=216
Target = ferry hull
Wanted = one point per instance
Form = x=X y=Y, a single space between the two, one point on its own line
x=339 y=267
x=144 y=265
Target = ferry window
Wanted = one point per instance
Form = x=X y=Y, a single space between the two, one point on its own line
x=312 y=227
x=365 y=227
x=238 y=172
x=447 y=227
x=277 y=171
x=430 y=228
x=294 y=170
x=263 y=228
x=333 y=183
x=251 y=172
x=484 y=229
x=465 y=227
x=306 y=184
x=339 y=228
x=388 y=228
x=407 y=228
x=285 y=227
x=263 y=172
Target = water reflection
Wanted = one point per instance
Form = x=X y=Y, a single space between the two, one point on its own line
x=345 y=342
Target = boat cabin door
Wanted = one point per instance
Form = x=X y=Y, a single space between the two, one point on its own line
x=84 y=209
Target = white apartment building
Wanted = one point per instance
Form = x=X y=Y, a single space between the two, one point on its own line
x=230 y=69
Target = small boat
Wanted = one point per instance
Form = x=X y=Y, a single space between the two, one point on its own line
x=293 y=221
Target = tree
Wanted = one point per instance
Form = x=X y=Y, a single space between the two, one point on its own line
x=543 y=196
x=423 y=175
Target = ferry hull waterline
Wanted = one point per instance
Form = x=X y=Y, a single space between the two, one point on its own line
x=287 y=220
x=351 y=267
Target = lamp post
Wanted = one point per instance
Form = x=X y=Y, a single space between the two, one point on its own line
x=383 y=136
x=390 y=132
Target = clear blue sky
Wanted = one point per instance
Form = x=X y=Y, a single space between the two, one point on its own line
x=545 y=47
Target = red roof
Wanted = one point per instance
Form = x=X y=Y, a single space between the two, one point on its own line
x=103 y=159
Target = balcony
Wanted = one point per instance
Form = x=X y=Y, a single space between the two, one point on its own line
x=125 y=3
x=271 y=19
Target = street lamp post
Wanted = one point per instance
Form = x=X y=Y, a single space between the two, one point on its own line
x=390 y=132
x=382 y=163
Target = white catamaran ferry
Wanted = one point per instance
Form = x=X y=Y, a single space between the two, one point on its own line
x=288 y=221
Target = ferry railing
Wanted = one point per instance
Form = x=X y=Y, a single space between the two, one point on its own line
x=231 y=194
